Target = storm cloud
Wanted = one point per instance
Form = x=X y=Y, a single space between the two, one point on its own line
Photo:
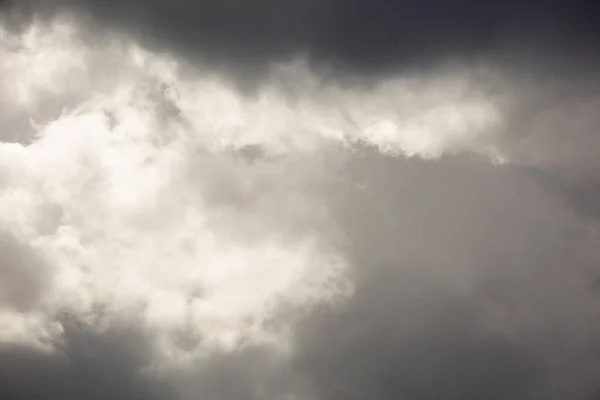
x=352 y=37
x=473 y=282
x=405 y=205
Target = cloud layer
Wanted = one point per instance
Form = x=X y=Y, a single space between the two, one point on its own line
x=353 y=36
x=432 y=233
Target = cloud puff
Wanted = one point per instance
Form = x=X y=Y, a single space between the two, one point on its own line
x=134 y=207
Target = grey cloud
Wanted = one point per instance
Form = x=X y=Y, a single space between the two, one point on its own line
x=550 y=120
x=24 y=274
x=551 y=131
x=266 y=193
x=116 y=362
x=89 y=365
x=252 y=372
x=580 y=191
x=473 y=282
x=28 y=373
x=404 y=338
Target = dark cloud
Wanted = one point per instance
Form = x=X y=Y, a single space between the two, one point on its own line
x=115 y=362
x=473 y=282
x=401 y=337
x=250 y=372
x=551 y=130
x=580 y=191
x=90 y=364
x=355 y=36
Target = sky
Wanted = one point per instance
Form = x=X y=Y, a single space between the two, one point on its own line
x=299 y=200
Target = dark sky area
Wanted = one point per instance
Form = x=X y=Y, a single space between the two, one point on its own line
x=356 y=37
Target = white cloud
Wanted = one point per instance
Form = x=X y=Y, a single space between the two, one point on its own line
x=118 y=198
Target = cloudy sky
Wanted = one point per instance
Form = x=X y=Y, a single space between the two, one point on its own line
x=299 y=200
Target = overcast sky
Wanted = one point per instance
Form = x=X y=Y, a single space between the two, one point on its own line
x=299 y=200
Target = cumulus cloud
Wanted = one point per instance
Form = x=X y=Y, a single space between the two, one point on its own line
x=353 y=36
x=431 y=233
x=135 y=207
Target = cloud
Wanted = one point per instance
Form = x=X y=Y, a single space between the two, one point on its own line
x=136 y=200
x=90 y=364
x=353 y=36
x=24 y=273
x=471 y=282
x=425 y=234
